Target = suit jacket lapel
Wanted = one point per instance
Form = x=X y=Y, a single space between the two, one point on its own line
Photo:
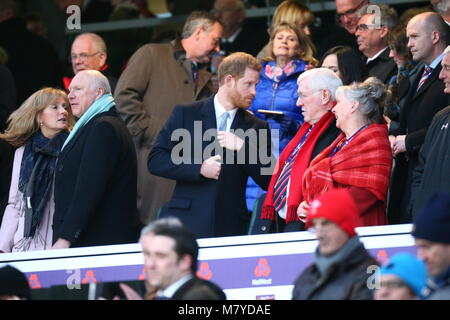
x=431 y=78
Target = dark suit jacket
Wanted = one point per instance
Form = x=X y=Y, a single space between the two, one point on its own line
x=208 y=207
x=415 y=118
x=95 y=185
x=251 y=39
x=199 y=289
x=382 y=67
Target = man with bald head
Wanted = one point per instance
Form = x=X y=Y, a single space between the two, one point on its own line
x=89 y=52
x=96 y=173
x=426 y=34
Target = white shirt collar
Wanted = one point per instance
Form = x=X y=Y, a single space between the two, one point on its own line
x=220 y=110
x=375 y=56
x=170 y=290
x=233 y=37
x=438 y=60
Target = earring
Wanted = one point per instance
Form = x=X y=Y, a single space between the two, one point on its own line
x=40 y=123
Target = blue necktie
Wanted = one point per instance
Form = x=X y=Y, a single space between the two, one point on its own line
x=223 y=122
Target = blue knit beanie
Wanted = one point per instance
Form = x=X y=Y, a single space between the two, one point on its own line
x=410 y=270
x=433 y=222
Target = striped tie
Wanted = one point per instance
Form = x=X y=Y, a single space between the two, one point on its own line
x=279 y=194
x=425 y=75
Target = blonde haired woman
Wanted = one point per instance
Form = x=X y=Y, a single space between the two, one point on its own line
x=293 y=13
x=38 y=129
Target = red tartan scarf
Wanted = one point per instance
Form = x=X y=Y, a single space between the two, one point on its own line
x=365 y=162
x=301 y=163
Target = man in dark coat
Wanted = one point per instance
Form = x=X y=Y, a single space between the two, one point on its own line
x=340 y=270
x=170 y=263
x=33 y=61
x=95 y=183
x=158 y=77
x=372 y=33
x=427 y=42
x=432 y=172
x=209 y=197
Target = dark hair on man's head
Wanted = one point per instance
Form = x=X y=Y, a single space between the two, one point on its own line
x=236 y=64
x=185 y=239
x=350 y=63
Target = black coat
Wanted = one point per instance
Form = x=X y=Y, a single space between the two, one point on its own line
x=382 y=67
x=33 y=61
x=346 y=280
x=199 y=289
x=95 y=185
x=208 y=207
x=433 y=171
x=415 y=118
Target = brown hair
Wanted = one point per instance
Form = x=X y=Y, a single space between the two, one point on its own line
x=292 y=12
x=236 y=64
x=23 y=122
x=306 y=47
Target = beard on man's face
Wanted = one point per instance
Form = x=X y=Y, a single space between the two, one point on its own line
x=240 y=101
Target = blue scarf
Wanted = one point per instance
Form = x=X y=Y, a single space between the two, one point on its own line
x=102 y=104
x=278 y=74
x=36 y=177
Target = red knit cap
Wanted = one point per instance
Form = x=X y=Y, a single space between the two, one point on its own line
x=337 y=206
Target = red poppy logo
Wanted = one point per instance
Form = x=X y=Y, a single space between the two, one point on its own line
x=382 y=257
x=204 y=272
x=263 y=268
x=34 y=281
x=89 y=277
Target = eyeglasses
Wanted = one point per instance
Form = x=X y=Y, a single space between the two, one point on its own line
x=349 y=12
x=365 y=27
x=83 y=56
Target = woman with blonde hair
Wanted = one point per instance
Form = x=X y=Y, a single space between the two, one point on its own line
x=293 y=13
x=38 y=130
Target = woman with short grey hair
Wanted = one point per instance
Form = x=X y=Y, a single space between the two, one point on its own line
x=360 y=159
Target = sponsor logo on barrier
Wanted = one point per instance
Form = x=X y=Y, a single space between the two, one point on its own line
x=33 y=281
x=204 y=272
x=262 y=271
x=89 y=277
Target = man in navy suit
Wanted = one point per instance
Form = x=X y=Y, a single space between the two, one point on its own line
x=427 y=34
x=210 y=148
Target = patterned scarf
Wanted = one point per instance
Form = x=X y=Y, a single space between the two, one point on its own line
x=365 y=163
x=278 y=74
x=36 y=177
x=300 y=165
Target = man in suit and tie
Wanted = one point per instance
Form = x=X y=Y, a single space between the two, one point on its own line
x=158 y=77
x=211 y=177
x=427 y=34
x=372 y=38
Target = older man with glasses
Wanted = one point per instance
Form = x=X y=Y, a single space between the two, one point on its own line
x=372 y=37
x=89 y=52
x=346 y=13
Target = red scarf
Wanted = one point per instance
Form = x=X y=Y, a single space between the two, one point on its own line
x=365 y=162
x=300 y=165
